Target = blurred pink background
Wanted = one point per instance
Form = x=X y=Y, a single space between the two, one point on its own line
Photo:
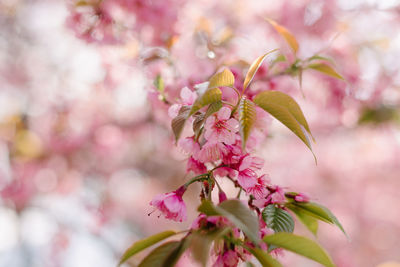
x=85 y=143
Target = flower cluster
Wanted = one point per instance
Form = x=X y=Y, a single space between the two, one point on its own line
x=217 y=153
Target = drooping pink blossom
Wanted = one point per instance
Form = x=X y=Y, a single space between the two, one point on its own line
x=221 y=128
x=171 y=204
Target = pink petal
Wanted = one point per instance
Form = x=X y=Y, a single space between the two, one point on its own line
x=188 y=97
x=173 y=204
x=173 y=110
x=232 y=125
x=224 y=113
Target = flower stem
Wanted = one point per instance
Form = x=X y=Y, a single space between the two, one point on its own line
x=198 y=178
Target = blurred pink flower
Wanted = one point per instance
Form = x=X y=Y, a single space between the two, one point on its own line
x=228 y=259
x=171 y=204
x=301 y=198
x=221 y=128
x=187 y=96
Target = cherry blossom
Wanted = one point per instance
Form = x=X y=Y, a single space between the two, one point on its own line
x=171 y=204
x=221 y=128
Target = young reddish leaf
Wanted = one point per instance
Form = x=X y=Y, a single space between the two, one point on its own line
x=288 y=36
x=178 y=123
x=210 y=96
x=224 y=78
x=165 y=255
x=197 y=124
x=264 y=258
x=253 y=69
x=309 y=221
x=285 y=109
x=319 y=212
x=143 y=244
x=325 y=69
x=300 y=245
x=247 y=118
x=278 y=219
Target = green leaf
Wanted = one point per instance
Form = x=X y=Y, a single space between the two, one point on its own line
x=165 y=255
x=325 y=69
x=253 y=69
x=264 y=258
x=379 y=114
x=210 y=96
x=143 y=244
x=247 y=118
x=237 y=213
x=212 y=108
x=285 y=109
x=208 y=208
x=310 y=222
x=317 y=211
x=178 y=123
x=278 y=219
x=224 y=78
x=300 y=245
x=201 y=243
x=286 y=34
x=318 y=57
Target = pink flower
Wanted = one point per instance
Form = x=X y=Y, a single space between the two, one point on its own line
x=204 y=221
x=249 y=162
x=225 y=171
x=278 y=196
x=187 y=96
x=195 y=166
x=259 y=190
x=189 y=146
x=211 y=152
x=173 y=110
x=228 y=259
x=301 y=198
x=171 y=204
x=221 y=128
x=247 y=179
